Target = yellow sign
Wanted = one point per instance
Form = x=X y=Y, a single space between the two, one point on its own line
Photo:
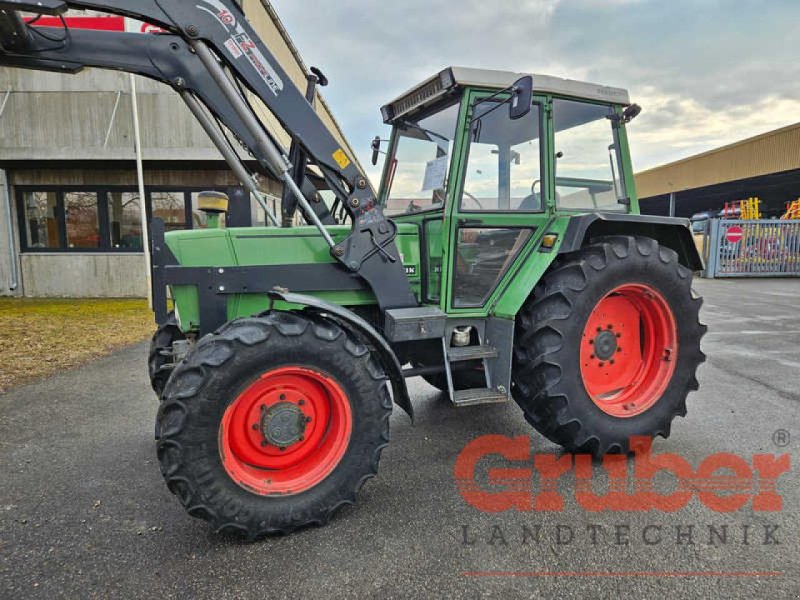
x=341 y=159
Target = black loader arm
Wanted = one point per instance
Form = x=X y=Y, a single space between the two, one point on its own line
x=209 y=54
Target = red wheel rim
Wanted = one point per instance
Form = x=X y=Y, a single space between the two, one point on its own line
x=628 y=350
x=286 y=432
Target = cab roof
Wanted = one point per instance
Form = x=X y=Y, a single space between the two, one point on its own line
x=451 y=79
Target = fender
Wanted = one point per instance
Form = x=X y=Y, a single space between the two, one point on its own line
x=671 y=232
x=325 y=310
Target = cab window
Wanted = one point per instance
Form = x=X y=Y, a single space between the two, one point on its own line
x=503 y=171
x=484 y=256
x=587 y=158
x=418 y=170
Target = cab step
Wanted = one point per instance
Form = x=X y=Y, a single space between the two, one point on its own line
x=458 y=354
x=475 y=396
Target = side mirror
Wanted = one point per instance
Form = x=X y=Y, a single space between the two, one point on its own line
x=376 y=149
x=630 y=113
x=322 y=81
x=521 y=98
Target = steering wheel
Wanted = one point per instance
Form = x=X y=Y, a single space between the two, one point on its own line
x=474 y=199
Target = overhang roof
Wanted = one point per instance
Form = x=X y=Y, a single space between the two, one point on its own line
x=772 y=152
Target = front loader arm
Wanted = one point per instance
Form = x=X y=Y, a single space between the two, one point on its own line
x=211 y=42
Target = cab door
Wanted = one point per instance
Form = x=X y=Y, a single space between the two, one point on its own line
x=501 y=204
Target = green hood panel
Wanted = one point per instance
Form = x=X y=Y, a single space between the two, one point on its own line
x=253 y=246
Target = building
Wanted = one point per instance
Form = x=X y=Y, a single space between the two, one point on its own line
x=766 y=166
x=70 y=220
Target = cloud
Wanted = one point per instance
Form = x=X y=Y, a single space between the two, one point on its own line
x=676 y=127
x=707 y=72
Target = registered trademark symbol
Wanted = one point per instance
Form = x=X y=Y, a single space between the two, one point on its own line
x=781 y=438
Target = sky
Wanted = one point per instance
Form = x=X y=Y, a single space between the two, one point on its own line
x=706 y=72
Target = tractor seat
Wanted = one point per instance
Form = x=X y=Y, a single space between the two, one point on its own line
x=531 y=202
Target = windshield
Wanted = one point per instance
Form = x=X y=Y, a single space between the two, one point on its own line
x=419 y=167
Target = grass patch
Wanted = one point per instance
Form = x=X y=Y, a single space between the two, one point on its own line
x=44 y=336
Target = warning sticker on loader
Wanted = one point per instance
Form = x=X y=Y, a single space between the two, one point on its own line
x=341 y=159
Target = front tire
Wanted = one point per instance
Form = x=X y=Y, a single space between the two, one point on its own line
x=608 y=346
x=160 y=360
x=272 y=423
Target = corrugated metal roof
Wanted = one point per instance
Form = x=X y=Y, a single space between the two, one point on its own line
x=771 y=152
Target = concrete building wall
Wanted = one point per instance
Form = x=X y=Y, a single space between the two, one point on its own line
x=84 y=275
x=88 y=116
x=52 y=116
x=152 y=177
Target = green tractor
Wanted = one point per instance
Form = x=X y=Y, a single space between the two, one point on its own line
x=536 y=281
x=502 y=259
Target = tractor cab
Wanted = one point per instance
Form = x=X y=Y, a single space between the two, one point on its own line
x=485 y=180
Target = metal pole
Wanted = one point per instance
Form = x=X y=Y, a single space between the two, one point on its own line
x=713 y=250
x=227 y=152
x=142 y=198
x=310 y=214
x=111 y=120
x=5 y=102
x=12 y=250
x=672 y=204
x=706 y=234
x=276 y=157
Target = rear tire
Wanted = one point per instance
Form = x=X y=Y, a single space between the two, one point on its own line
x=159 y=360
x=238 y=444
x=575 y=378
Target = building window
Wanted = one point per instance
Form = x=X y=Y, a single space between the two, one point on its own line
x=82 y=220
x=40 y=210
x=125 y=220
x=171 y=208
x=199 y=218
x=74 y=219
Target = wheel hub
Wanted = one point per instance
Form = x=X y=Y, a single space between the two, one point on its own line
x=286 y=431
x=628 y=349
x=283 y=424
x=605 y=344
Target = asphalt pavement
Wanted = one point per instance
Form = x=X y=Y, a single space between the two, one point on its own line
x=84 y=512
